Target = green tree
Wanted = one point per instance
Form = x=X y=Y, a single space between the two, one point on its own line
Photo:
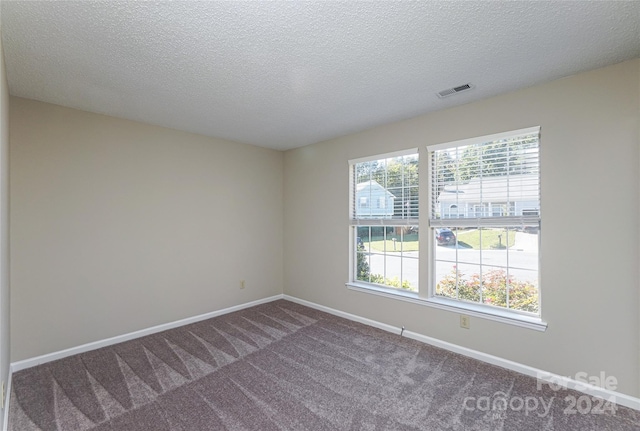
x=362 y=265
x=493 y=159
x=400 y=177
x=445 y=170
x=507 y=156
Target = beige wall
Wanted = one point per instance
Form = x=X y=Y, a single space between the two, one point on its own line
x=589 y=252
x=118 y=226
x=4 y=221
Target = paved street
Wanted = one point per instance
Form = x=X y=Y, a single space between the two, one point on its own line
x=522 y=260
x=522 y=264
x=392 y=265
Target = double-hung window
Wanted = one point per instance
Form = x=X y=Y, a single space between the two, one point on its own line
x=385 y=234
x=488 y=253
x=481 y=250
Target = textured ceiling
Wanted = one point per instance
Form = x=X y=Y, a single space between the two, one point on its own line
x=288 y=74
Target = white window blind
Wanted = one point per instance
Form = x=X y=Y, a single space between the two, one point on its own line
x=489 y=181
x=385 y=190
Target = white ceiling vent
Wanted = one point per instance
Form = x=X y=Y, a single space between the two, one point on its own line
x=454 y=90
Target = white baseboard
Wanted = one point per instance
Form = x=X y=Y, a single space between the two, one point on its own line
x=32 y=362
x=7 y=400
x=544 y=376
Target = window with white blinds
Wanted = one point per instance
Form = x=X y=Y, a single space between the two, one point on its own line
x=385 y=189
x=482 y=213
x=384 y=220
x=485 y=217
x=484 y=179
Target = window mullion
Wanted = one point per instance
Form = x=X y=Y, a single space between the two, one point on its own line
x=481 y=275
x=507 y=283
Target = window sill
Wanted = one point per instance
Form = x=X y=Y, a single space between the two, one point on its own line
x=475 y=310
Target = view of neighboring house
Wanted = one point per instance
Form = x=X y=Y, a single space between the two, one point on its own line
x=515 y=195
x=373 y=200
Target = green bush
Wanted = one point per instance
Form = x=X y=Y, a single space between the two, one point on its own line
x=391 y=282
x=363 y=265
x=365 y=275
x=492 y=288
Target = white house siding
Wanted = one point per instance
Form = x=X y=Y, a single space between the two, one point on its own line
x=373 y=201
x=513 y=194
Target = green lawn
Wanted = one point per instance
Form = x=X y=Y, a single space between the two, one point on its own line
x=490 y=239
x=410 y=244
x=406 y=246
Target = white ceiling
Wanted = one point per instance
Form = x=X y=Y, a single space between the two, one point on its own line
x=288 y=74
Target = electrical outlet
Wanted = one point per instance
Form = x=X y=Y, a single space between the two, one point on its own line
x=241 y=284
x=464 y=322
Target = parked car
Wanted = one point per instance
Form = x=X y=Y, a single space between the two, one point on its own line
x=445 y=237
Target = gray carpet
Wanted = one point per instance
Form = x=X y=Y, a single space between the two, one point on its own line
x=283 y=366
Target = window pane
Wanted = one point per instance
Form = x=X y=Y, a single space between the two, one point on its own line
x=386 y=188
x=362 y=264
x=394 y=270
x=377 y=267
x=492 y=179
x=495 y=266
x=388 y=255
x=410 y=272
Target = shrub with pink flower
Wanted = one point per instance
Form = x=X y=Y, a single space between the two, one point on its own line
x=490 y=289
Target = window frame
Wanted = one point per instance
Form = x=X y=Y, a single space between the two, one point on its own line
x=482 y=212
x=427 y=243
x=355 y=223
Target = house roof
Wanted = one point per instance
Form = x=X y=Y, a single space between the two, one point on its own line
x=284 y=74
x=372 y=184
